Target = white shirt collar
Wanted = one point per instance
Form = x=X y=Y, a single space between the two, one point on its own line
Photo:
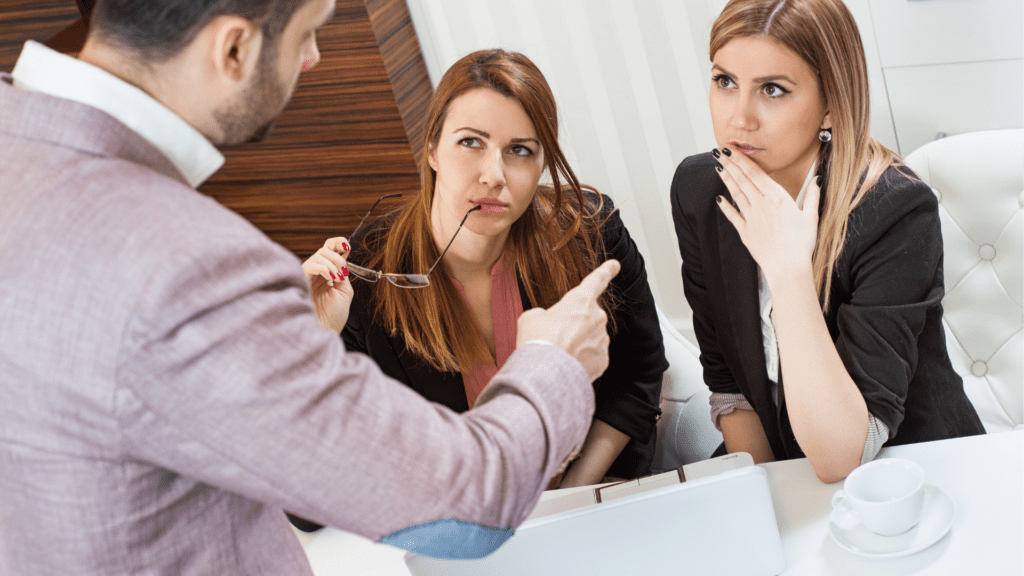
x=41 y=69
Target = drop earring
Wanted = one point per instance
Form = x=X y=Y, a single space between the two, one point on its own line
x=825 y=135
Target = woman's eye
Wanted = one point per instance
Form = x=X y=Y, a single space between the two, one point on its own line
x=470 y=142
x=774 y=90
x=520 y=150
x=722 y=81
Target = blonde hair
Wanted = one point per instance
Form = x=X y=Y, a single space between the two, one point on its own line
x=825 y=35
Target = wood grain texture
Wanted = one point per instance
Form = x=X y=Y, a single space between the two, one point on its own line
x=339 y=145
x=407 y=71
x=22 y=20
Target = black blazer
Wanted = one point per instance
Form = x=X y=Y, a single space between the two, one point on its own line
x=885 y=315
x=627 y=394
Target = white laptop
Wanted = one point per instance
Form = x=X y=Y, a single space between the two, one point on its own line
x=722 y=524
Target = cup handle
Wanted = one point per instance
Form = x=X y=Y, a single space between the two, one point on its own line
x=843 y=514
x=839 y=502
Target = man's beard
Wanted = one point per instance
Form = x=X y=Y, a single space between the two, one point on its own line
x=251 y=117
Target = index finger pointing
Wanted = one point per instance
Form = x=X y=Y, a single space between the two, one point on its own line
x=596 y=282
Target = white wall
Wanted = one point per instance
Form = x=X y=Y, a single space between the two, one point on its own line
x=951 y=66
x=631 y=78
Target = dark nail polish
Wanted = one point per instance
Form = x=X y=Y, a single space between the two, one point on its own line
x=718 y=199
x=716 y=153
x=718 y=167
x=726 y=151
x=819 y=181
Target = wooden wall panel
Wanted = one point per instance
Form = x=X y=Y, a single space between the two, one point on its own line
x=404 y=62
x=340 y=144
x=22 y=20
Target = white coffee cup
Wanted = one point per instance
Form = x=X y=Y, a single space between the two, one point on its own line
x=887 y=495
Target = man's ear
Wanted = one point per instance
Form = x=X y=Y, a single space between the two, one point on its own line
x=234 y=46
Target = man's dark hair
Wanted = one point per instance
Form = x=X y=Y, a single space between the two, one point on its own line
x=160 y=29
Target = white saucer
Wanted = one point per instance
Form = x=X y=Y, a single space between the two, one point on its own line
x=936 y=519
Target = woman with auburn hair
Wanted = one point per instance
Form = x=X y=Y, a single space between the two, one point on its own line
x=812 y=257
x=483 y=241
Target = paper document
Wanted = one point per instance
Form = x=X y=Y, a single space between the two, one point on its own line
x=555 y=503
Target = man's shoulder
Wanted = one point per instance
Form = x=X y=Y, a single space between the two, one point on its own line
x=113 y=197
x=147 y=198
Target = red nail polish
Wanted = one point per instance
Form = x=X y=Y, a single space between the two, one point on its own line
x=333 y=277
x=345 y=246
x=344 y=270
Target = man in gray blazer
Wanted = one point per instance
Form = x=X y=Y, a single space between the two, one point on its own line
x=165 y=390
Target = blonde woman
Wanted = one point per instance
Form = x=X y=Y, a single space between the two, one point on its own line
x=812 y=256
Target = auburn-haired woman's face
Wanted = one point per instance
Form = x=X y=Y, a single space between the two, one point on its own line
x=488 y=155
x=766 y=103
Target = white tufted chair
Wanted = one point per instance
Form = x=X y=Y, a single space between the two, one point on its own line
x=685 y=431
x=979 y=180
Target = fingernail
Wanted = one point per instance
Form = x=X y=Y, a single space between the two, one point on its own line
x=819 y=180
x=718 y=199
x=345 y=246
x=726 y=151
x=718 y=167
x=333 y=276
x=716 y=153
x=344 y=270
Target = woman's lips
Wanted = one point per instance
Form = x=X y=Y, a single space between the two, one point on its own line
x=491 y=206
x=746 y=149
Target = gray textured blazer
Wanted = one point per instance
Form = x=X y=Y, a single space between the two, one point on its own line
x=165 y=390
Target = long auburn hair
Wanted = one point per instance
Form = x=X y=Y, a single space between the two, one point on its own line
x=553 y=245
x=825 y=35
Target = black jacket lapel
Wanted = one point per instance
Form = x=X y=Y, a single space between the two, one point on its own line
x=739 y=275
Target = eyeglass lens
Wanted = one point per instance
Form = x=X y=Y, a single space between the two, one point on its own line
x=408 y=280
x=402 y=280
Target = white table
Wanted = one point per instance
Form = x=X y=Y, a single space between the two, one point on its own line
x=983 y=474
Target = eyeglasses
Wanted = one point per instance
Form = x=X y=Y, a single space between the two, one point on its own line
x=401 y=280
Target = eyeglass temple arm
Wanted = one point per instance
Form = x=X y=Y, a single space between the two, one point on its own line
x=438 y=261
x=395 y=195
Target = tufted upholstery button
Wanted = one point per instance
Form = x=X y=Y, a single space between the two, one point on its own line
x=987 y=252
x=979 y=368
x=980 y=177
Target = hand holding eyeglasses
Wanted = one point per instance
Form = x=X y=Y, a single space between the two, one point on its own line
x=576 y=323
x=327 y=272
